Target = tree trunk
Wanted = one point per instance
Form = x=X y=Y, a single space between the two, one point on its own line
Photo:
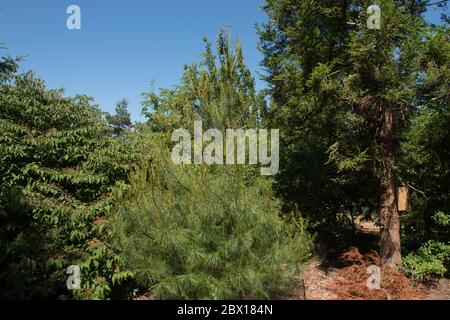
x=389 y=217
x=390 y=221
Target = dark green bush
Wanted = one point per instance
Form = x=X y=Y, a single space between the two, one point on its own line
x=430 y=261
x=58 y=164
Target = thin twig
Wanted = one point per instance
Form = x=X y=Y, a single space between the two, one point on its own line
x=423 y=193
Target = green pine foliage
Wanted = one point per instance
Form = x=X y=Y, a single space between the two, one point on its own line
x=121 y=121
x=219 y=90
x=200 y=232
x=206 y=232
x=58 y=166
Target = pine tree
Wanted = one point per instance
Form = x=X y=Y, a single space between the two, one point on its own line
x=202 y=232
x=199 y=231
x=121 y=121
x=220 y=91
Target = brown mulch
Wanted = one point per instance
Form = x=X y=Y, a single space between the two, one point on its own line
x=351 y=282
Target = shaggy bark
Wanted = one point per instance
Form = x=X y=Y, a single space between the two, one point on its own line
x=389 y=217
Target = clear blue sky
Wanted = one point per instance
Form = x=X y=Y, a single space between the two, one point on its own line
x=123 y=45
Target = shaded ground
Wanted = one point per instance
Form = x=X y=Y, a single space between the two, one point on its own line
x=439 y=291
x=319 y=279
x=328 y=278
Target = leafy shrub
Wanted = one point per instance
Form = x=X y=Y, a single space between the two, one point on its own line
x=199 y=232
x=441 y=219
x=431 y=260
x=58 y=166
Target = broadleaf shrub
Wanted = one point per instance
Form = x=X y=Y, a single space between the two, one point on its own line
x=58 y=165
x=431 y=260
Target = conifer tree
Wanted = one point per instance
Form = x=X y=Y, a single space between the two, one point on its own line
x=220 y=91
x=120 y=121
x=349 y=87
x=199 y=231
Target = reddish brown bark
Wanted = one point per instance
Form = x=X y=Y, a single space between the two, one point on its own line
x=389 y=217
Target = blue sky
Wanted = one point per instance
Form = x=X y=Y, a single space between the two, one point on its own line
x=123 y=45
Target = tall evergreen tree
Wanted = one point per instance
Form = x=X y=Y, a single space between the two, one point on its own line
x=206 y=231
x=121 y=121
x=220 y=91
x=350 y=87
